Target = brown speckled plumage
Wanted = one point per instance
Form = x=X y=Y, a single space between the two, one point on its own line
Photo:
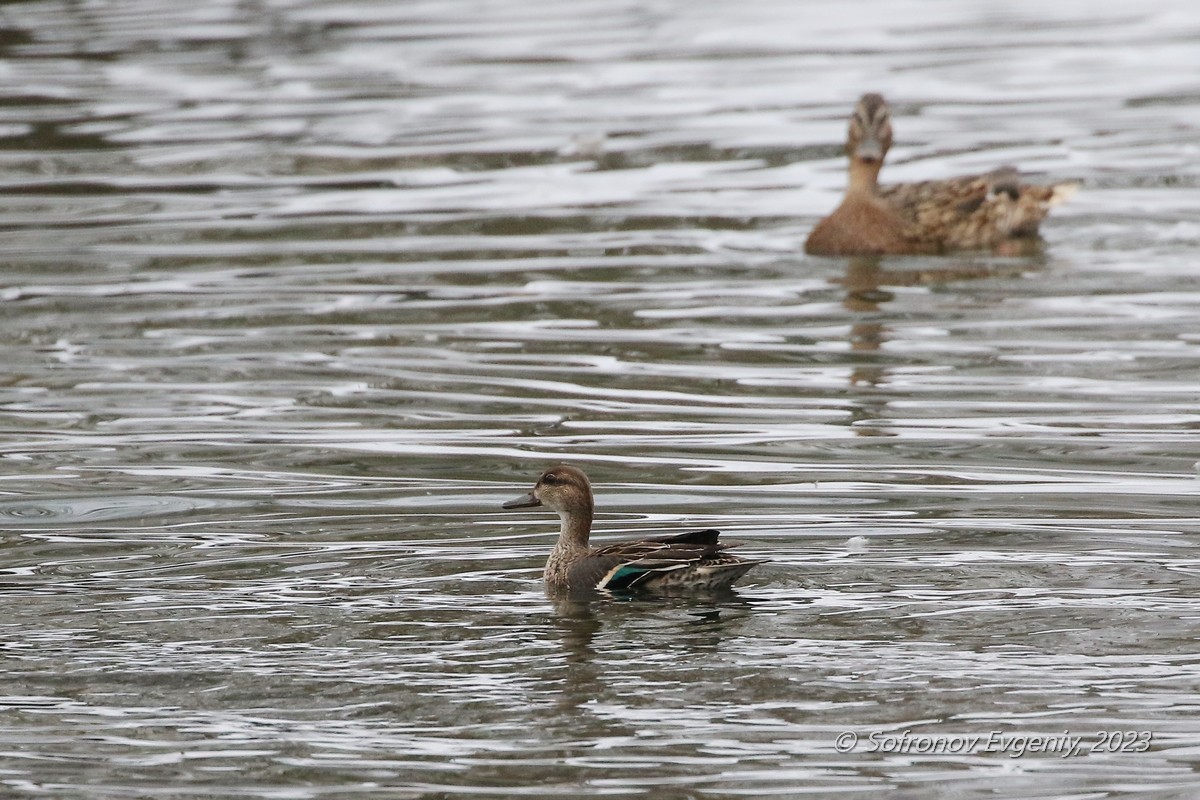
x=692 y=561
x=989 y=211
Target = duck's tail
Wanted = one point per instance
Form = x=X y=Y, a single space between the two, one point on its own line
x=1061 y=193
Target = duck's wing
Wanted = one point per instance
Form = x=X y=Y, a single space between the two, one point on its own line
x=705 y=537
x=976 y=211
x=627 y=565
x=937 y=205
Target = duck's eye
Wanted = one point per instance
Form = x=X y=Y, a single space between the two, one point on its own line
x=550 y=479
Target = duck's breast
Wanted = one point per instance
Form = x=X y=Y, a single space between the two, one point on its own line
x=863 y=226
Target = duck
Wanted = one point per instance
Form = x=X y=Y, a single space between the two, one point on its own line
x=993 y=211
x=691 y=561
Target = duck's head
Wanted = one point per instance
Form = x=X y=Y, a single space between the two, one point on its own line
x=870 y=133
x=563 y=488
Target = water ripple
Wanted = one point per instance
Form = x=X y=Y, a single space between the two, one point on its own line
x=296 y=297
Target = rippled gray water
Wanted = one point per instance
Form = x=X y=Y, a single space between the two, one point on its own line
x=296 y=294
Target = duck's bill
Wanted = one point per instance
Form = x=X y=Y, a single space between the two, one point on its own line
x=869 y=149
x=527 y=501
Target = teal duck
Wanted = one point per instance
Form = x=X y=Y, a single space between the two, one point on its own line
x=981 y=212
x=693 y=561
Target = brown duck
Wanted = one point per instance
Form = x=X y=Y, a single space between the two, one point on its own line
x=693 y=561
x=990 y=211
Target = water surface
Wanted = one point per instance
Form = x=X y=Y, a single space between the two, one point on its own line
x=295 y=295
